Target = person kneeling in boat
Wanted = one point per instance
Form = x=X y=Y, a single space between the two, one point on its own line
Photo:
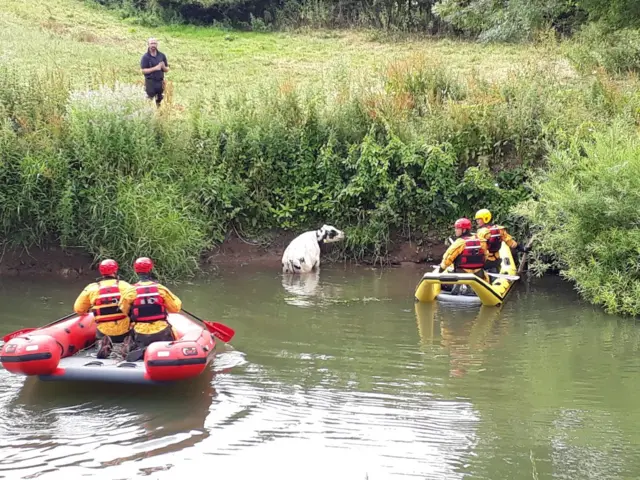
x=148 y=304
x=467 y=253
x=102 y=299
x=494 y=236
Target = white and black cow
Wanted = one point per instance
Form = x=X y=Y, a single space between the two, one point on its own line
x=302 y=255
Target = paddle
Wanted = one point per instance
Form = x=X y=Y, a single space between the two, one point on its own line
x=220 y=330
x=17 y=333
x=504 y=275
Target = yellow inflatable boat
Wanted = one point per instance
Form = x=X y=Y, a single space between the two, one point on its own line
x=488 y=294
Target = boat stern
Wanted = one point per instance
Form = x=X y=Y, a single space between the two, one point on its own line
x=180 y=359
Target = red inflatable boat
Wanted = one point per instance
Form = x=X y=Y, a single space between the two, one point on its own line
x=67 y=351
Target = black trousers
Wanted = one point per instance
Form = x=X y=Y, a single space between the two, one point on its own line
x=493 y=266
x=154 y=89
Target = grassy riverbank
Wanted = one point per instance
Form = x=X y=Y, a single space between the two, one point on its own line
x=93 y=45
x=281 y=132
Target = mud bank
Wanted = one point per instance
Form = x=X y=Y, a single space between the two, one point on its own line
x=234 y=251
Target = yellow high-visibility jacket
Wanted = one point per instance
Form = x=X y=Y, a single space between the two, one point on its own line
x=172 y=303
x=485 y=232
x=456 y=249
x=87 y=300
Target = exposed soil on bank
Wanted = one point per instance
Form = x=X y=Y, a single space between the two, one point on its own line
x=234 y=251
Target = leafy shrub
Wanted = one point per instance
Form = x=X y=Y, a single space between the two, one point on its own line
x=586 y=209
x=499 y=21
x=598 y=46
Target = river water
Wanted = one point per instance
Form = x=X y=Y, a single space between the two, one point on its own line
x=343 y=377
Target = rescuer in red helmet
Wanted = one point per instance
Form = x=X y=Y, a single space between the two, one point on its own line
x=467 y=253
x=102 y=298
x=148 y=303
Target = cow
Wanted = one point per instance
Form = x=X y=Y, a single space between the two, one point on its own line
x=302 y=255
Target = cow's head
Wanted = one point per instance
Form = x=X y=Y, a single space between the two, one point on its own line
x=329 y=234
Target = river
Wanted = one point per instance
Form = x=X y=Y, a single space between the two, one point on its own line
x=343 y=377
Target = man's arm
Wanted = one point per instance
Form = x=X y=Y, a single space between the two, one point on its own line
x=483 y=233
x=172 y=303
x=165 y=63
x=82 y=304
x=506 y=238
x=146 y=69
x=451 y=254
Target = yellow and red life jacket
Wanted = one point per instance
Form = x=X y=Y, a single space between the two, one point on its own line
x=473 y=255
x=148 y=305
x=495 y=238
x=106 y=305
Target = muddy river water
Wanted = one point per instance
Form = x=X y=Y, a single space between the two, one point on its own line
x=342 y=376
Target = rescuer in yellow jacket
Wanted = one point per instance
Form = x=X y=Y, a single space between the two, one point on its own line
x=102 y=299
x=467 y=253
x=494 y=236
x=148 y=303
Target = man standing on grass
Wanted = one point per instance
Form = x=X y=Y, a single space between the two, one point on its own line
x=153 y=65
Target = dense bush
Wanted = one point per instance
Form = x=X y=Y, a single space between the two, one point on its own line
x=263 y=14
x=598 y=46
x=514 y=20
x=487 y=20
x=587 y=213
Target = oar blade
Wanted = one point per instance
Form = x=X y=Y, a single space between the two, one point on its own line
x=223 y=332
x=502 y=275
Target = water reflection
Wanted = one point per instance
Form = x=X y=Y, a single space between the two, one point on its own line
x=302 y=288
x=57 y=425
x=465 y=332
x=306 y=290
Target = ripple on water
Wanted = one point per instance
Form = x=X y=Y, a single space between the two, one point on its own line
x=50 y=427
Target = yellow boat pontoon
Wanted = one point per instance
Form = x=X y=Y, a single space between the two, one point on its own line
x=489 y=294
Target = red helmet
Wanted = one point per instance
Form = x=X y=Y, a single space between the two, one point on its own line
x=463 y=223
x=143 y=265
x=108 y=267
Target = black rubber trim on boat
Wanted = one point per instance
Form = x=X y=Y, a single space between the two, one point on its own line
x=28 y=357
x=94 y=363
x=127 y=364
x=177 y=362
x=448 y=278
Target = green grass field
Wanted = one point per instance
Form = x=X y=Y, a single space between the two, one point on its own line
x=94 y=45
